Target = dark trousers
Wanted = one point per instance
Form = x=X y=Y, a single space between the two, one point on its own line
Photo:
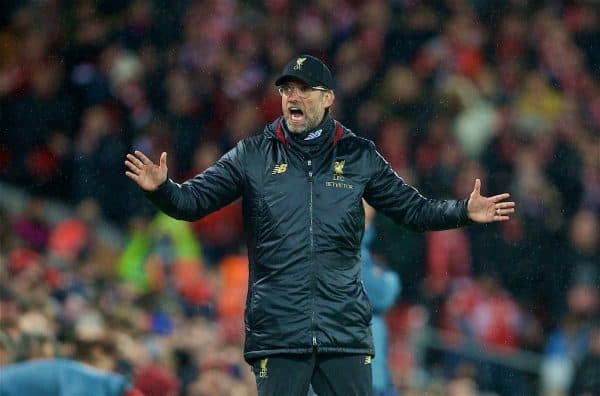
x=329 y=374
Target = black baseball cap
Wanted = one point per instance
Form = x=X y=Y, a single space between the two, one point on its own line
x=307 y=69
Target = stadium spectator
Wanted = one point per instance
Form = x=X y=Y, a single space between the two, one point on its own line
x=586 y=380
x=382 y=287
x=60 y=377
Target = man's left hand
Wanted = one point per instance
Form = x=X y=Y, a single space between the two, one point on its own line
x=482 y=209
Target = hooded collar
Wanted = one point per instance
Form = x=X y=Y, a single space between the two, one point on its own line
x=275 y=130
x=314 y=141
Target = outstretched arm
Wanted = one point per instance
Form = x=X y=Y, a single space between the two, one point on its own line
x=388 y=193
x=207 y=192
x=482 y=209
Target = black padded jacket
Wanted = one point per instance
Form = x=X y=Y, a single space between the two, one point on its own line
x=304 y=221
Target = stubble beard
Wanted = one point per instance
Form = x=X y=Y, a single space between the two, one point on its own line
x=298 y=129
x=309 y=124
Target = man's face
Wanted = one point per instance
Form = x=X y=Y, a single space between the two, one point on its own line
x=303 y=107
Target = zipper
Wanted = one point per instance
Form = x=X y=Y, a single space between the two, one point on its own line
x=310 y=204
x=312 y=249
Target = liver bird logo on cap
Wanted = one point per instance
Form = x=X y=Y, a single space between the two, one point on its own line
x=299 y=63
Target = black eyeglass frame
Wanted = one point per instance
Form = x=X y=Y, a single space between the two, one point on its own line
x=303 y=91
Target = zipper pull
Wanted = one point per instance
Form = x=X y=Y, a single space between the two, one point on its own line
x=315 y=341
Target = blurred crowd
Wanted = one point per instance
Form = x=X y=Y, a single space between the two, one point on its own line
x=449 y=90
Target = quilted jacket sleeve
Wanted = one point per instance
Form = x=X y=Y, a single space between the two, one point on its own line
x=207 y=192
x=388 y=193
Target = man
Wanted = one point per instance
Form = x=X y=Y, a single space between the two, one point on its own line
x=382 y=286
x=61 y=377
x=302 y=182
x=586 y=381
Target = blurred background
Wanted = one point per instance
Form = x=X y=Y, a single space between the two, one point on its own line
x=450 y=90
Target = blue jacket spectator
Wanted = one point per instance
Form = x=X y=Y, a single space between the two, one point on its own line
x=60 y=377
x=382 y=286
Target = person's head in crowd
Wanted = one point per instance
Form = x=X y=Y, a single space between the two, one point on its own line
x=154 y=380
x=96 y=122
x=583 y=299
x=46 y=81
x=31 y=225
x=25 y=263
x=584 y=233
x=462 y=387
x=97 y=352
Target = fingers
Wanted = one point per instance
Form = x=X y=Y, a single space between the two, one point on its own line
x=145 y=160
x=135 y=165
x=477 y=188
x=138 y=161
x=504 y=211
x=163 y=159
x=504 y=205
x=132 y=167
x=132 y=176
x=500 y=197
x=134 y=160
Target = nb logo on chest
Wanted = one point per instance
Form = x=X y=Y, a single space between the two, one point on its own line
x=279 y=168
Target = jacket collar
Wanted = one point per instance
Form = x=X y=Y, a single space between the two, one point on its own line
x=275 y=130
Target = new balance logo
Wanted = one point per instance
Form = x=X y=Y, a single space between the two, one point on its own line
x=279 y=168
x=314 y=135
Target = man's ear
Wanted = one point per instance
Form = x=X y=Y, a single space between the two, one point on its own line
x=329 y=98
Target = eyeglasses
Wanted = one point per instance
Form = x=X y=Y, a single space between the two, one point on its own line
x=303 y=91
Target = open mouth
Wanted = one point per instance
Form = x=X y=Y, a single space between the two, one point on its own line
x=296 y=114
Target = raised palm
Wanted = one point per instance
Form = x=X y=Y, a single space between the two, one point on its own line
x=146 y=173
x=488 y=209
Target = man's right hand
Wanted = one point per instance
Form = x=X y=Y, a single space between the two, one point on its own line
x=146 y=173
